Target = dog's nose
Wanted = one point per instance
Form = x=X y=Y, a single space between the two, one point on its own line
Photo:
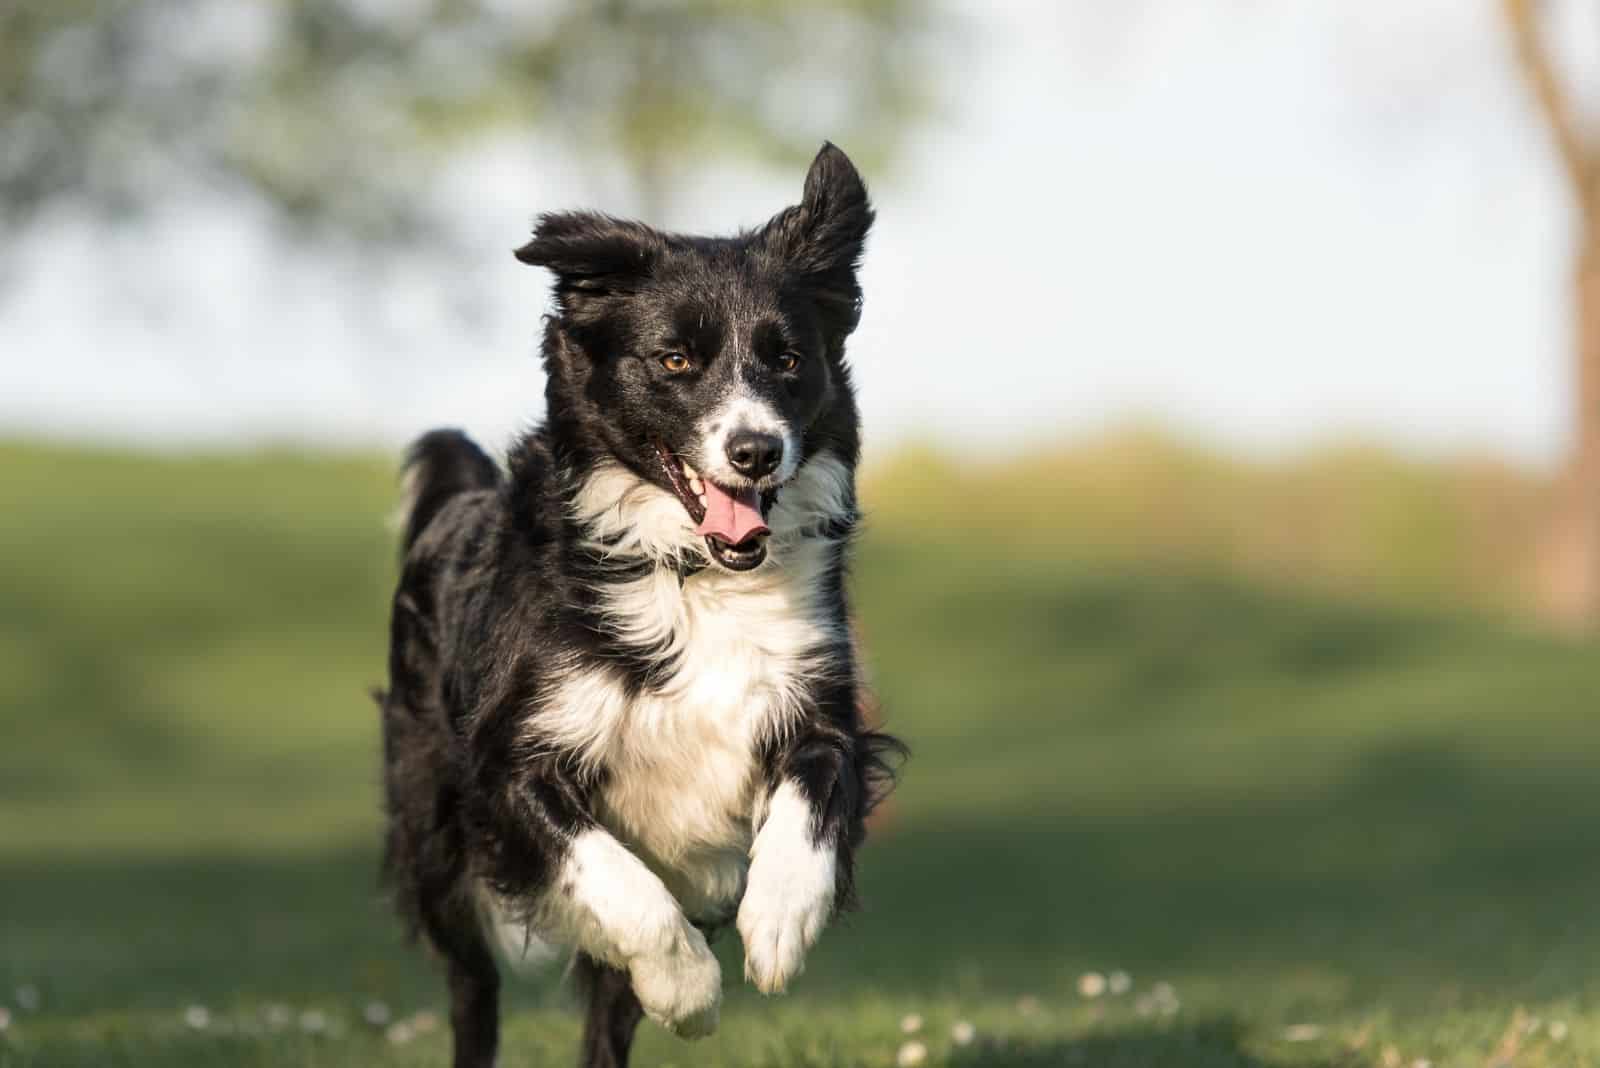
x=754 y=454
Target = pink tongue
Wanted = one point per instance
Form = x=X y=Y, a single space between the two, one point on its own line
x=729 y=517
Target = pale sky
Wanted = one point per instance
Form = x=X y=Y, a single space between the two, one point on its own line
x=1268 y=224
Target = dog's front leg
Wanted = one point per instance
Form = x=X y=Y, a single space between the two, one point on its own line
x=789 y=896
x=606 y=902
x=795 y=862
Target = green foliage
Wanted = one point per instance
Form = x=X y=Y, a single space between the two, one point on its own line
x=338 y=113
x=1374 y=825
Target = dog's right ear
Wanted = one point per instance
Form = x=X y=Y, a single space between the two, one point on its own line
x=592 y=253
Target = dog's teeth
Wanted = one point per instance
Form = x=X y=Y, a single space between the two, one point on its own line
x=690 y=472
x=696 y=485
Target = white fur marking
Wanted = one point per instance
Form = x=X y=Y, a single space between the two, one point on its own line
x=736 y=635
x=746 y=646
x=524 y=950
x=629 y=517
x=608 y=904
x=683 y=796
x=790 y=895
x=410 y=490
x=744 y=412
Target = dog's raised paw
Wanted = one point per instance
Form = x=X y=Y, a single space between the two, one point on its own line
x=681 y=988
x=780 y=920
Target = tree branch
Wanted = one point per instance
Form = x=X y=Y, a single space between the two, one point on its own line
x=1522 y=19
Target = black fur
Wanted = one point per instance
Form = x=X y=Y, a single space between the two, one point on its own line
x=613 y=1013
x=498 y=593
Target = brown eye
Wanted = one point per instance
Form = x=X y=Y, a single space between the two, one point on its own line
x=675 y=362
x=789 y=361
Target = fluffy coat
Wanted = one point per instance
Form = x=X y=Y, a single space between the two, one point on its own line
x=607 y=729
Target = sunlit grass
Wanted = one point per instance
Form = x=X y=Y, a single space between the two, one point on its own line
x=1339 y=830
x=1349 y=519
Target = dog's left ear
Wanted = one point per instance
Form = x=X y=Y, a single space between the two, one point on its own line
x=592 y=254
x=821 y=238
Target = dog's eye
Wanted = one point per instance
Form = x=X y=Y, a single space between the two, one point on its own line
x=789 y=361
x=675 y=362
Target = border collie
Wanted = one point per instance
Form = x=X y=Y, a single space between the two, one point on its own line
x=623 y=704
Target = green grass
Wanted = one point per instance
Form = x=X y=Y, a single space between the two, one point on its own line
x=1379 y=822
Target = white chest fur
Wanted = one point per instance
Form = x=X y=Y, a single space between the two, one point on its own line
x=682 y=781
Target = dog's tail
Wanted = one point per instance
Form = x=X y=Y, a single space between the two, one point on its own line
x=439 y=465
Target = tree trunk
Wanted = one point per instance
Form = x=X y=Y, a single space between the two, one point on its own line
x=1569 y=566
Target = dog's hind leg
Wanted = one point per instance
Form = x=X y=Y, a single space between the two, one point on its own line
x=452 y=927
x=612 y=1017
x=423 y=862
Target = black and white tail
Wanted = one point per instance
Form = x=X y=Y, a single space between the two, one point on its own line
x=439 y=465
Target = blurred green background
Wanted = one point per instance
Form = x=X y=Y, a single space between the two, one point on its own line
x=1230 y=749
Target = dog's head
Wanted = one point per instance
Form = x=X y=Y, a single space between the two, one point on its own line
x=710 y=367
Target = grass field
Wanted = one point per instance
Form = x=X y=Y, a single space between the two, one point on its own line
x=1313 y=831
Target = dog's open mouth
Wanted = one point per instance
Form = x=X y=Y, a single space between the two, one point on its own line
x=733 y=521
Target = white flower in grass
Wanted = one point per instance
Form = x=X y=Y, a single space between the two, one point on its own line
x=911 y=1023
x=1164 y=999
x=28 y=997
x=278 y=1016
x=1027 y=1005
x=1302 y=1032
x=5 y=1018
x=376 y=1013
x=1558 y=1030
x=1091 y=984
x=1119 y=982
x=400 y=1033
x=962 y=1033
x=313 y=1021
x=197 y=1017
x=911 y=1054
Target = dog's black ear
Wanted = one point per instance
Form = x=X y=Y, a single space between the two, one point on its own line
x=821 y=238
x=592 y=253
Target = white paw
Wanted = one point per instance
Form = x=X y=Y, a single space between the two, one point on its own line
x=788 y=899
x=681 y=986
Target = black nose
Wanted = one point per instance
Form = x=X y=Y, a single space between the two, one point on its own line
x=754 y=454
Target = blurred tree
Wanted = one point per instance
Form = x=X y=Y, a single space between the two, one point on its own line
x=1569 y=562
x=338 y=114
